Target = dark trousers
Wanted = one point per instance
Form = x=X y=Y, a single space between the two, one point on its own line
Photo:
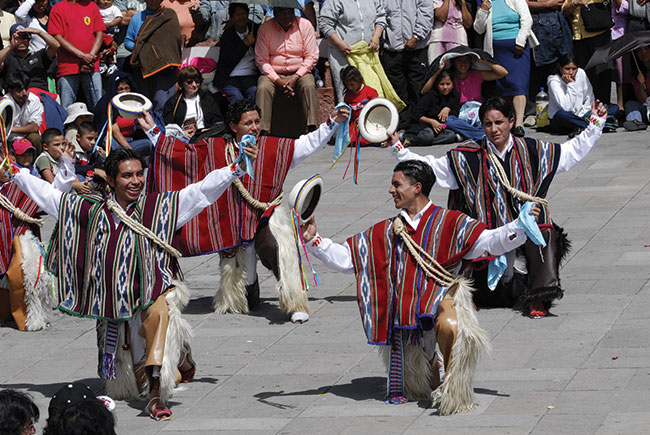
x=406 y=71
x=601 y=75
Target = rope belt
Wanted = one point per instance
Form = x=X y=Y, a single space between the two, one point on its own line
x=18 y=213
x=501 y=173
x=140 y=229
x=432 y=268
x=230 y=157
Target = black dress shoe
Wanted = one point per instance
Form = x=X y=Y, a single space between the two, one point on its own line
x=253 y=294
x=518 y=131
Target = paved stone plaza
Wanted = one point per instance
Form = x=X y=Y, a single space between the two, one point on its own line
x=585 y=370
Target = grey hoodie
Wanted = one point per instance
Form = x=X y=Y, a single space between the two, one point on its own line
x=352 y=20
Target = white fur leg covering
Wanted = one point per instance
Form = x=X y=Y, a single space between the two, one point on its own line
x=125 y=386
x=456 y=393
x=417 y=371
x=179 y=335
x=231 y=296
x=291 y=296
x=38 y=283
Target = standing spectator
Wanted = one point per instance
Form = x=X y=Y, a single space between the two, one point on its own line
x=620 y=9
x=585 y=42
x=18 y=57
x=78 y=27
x=346 y=22
x=554 y=36
x=357 y=95
x=508 y=36
x=6 y=21
x=156 y=49
x=452 y=17
x=29 y=110
x=193 y=22
x=639 y=18
x=34 y=14
x=128 y=8
x=404 y=57
x=285 y=53
x=236 y=71
x=112 y=17
x=18 y=413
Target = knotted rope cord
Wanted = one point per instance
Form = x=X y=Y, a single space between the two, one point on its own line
x=230 y=152
x=141 y=229
x=501 y=173
x=433 y=269
x=18 y=213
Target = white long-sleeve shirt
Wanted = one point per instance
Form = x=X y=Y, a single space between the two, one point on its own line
x=495 y=242
x=304 y=146
x=571 y=153
x=191 y=200
x=575 y=97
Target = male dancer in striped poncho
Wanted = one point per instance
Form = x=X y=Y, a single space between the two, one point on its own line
x=114 y=262
x=491 y=179
x=409 y=295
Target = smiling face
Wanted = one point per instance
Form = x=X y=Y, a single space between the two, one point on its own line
x=445 y=85
x=404 y=193
x=128 y=183
x=191 y=87
x=461 y=65
x=497 y=127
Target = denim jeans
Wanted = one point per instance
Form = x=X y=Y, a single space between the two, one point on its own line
x=236 y=87
x=426 y=137
x=142 y=147
x=635 y=111
x=91 y=85
x=464 y=129
x=564 y=122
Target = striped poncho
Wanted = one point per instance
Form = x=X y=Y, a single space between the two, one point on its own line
x=392 y=290
x=530 y=167
x=11 y=226
x=230 y=221
x=107 y=271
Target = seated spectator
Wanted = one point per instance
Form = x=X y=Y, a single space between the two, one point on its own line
x=77 y=113
x=156 y=51
x=193 y=20
x=357 y=95
x=34 y=14
x=18 y=57
x=570 y=97
x=18 y=413
x=285 y=53
x=24 y=155
x=29 y=110
x=48 y=162
x=236 y=71
x=126 y=132
x=79 y=28
x=636 y=112
x=112 y=18
x=452 y=18
x=6 y=21
x=428 y=124
x=74 y=410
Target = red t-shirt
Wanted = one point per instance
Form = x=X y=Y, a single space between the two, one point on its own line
x=357 y=101
x=77 y=23
x=126 y=126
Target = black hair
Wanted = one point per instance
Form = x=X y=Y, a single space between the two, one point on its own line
x=50 y=134
x=496 y=103
x=88 y=417
x=417 y=172
x=351 y=73
x=238 y=108
x=444 y=73
x=566 y=59
x=17 y=81
x=116 y=157
x=86 y=127
x=232 y=7
x=17 y=409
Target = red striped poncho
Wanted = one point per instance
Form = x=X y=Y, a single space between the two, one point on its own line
x=392 y=290
x=9 y=225
x=230 y=221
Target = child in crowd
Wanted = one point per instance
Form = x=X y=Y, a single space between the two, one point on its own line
x=90 y=160
x=49 y=161
x=357 y=94
x=24 y=154
x=77 y=113
x=112 y=17
x=428 y=124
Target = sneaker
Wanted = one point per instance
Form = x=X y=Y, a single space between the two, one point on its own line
x=518 y=131
x=112 y=69
x=634 y=126
x=459 y=138
x=102 y=68
x=530 y=121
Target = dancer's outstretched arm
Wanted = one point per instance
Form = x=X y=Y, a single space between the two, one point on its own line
x=309 y=143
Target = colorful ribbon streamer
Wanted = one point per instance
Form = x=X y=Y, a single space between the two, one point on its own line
x=297 y=234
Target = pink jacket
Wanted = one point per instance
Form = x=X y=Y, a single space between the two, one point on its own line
x=280 y=52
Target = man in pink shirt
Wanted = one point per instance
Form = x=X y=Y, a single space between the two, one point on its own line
x=285 y=53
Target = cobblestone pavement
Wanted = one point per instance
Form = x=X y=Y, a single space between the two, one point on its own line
x=584 y=370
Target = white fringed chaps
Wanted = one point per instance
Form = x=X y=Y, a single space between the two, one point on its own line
x=38 y=284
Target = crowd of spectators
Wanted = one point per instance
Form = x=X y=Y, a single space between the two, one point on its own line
x=62 y=61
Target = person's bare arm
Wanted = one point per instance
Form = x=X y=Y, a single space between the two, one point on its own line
x=47 y=175
x=429 y=83
x=496 y=71
x=67 y=46
x=468 y=20
x=31 y=127
x=127 y=15
x=116 y=22
x=442 y=12
x=119 y=137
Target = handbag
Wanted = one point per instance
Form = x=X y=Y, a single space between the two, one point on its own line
x=597 y=16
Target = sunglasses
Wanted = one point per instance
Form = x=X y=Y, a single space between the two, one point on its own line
x=190 y=81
